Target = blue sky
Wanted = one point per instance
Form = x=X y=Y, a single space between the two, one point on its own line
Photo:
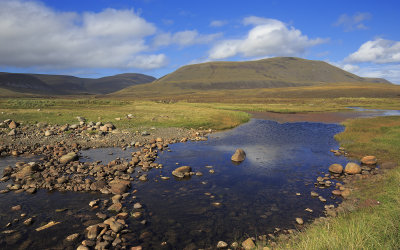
x=95 y=38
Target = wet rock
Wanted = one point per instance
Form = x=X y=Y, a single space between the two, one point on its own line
x=82 y=247
x=28 y=222
x=299 y=221
x=117 y=207
x=94 y=203
x=248 y=244
x=143 y=177
x=48 y=225
x=68 y=158
x=239 y=155
x=16 y=208
x=119 y=187
x=62 y=180
x=182 y=171
x=336 y=192
x=352 y=168
x=369 y=160
x=336 y=168
x=116 y=226
x=7 y=171
x=222 y=245
x=145 y=133
x=31 y=190
x=92 y=232
x=137 y=205
x=314 y=194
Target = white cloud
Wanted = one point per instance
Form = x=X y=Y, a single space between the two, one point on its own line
x=218 y=23
x=377 y=51
x=354 y=22
x=184 y=38
x=268 y=37
x=350 y=67
x=33 y=35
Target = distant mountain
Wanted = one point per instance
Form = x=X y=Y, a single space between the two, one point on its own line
x=69 y=85
x=266 y=73
x=279 y=75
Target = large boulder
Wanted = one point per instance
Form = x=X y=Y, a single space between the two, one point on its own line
x=336 y=168
x=239 y=155
x=182 y=171
x=68 y=158
x=352 y=168
x=369 y=160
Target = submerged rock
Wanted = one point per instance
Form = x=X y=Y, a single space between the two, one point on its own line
x=239 y=155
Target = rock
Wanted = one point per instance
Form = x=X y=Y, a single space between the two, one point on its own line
x=119 y=188
x=12 y=132
x=94 y=203
x=92 y=232
x=72 y=237
x=369 y=160
x=145 y=133
x=82 y=247
x=248 y=244
x=81 y=119
x=13 y=125
x=116 y=226
x=7 y=171
x=336 y=168
x=31 y=190
x=182 y=171
x=137 y=205
x=314 y=194
x=352 y=168
x=346 y=193
x=16 y=208
x=117 y=207
x=68 y=158
x=26 y=171
x=299 y=221
x=239 y=155
x=48 y=133
x=62 y=180
x=143 y=177
x=28 y=222
x=48 y=225
x=222 y=244
x=337 y=192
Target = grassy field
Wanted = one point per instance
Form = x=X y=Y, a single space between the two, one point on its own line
x=376 y=227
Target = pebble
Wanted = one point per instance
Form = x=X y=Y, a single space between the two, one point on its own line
x=222 y=244
x=299 y=221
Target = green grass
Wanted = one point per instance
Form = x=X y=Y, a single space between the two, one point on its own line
x=376 y=227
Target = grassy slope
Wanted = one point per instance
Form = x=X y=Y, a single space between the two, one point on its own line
x=375 y=227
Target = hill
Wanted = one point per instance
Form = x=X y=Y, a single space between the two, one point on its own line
x=280 y=75
x=41 y=84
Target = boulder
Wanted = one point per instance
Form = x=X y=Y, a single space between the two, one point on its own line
x=92 y=232
x=239 y=155
x=12 y=132
x=119 y=188
x=68 y=158
x=13 y=125
x=26 y=171
x=336 y=168
x=352 y=168
x=182 y=171
x=369 y=160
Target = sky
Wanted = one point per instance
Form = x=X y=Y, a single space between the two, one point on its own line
x=96 y=38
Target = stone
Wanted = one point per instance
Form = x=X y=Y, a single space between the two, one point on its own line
x=346 y=193
x=28 y=222
x=314 y=194
x=116 y=226
x=13 y=125
x=239 y=155
x=81 y=119
x=68 y=158
x=181 y=171
x=336 y=168
x=117 y=207
x=26 y=171
x=352 y=168
x=48 y=133
x=248 y=244
x=62 y=180
x=137 y=205
x=12 y=132
x=82 y=247
x=336 y=192
x=16 y=208
x=369 y=160
x=94 y=203
x=119 y=187
x=222 y=244
x=92 y=232
x=72 y=237
x=299 y=221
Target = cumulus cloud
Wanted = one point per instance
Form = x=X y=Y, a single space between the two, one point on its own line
x=218 y=23
x=184 y=38
x=268 y=37
x=354 y=22
x=33 y=35
x=377 y=51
